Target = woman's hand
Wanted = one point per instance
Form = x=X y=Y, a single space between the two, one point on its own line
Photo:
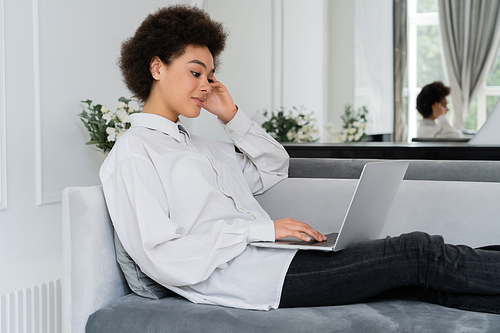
x=219 y=102
x=290 y=227
x=438 y=109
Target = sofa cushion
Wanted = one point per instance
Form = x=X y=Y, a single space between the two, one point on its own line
x=174 y=314
x=137 y=281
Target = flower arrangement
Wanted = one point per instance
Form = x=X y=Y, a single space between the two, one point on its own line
x=354 y=124
x=293 y=126
x=106 y=126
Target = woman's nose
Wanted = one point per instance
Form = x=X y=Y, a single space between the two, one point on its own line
x=206 y=86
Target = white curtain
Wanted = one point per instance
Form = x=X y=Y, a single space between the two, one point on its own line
x=470 y=32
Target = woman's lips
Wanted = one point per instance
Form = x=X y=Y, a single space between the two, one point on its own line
x=199 y=101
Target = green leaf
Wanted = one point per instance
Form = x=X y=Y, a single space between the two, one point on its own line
x=88 y=102
x=124 y=100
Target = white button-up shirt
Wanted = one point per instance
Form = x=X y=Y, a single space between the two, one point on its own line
x=428 y=128
x=184 y=210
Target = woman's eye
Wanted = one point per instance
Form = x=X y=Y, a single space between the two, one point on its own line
x=195 y=74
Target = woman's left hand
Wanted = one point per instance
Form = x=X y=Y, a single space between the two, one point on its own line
x=220 y=103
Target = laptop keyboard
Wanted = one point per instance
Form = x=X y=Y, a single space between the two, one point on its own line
x=331 y=239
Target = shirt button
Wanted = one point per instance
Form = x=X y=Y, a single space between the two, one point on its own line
x=222 y=188
x=229 y=132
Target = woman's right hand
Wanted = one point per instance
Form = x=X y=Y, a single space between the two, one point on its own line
x=289 y=227
x=438 y=109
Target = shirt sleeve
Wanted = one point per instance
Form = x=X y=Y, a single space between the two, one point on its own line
x=264 y=161
x=164 y=250
x=446 y=130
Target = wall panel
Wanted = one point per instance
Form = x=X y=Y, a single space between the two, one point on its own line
x=79 y=44
x=3 y=138
x=56 y=53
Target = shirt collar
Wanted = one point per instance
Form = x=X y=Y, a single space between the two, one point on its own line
x=429 y=121
x=159 y=123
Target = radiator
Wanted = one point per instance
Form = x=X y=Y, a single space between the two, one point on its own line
x=32 y=310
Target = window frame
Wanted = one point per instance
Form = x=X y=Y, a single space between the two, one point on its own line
x=412 y=90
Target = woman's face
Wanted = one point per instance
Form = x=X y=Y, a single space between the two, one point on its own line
x=182 y=87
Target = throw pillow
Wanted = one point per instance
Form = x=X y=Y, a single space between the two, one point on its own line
x=138 y=282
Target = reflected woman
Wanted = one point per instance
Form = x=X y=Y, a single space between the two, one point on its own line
x=432 y=105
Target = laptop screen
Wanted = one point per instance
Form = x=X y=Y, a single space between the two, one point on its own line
x=489 y=134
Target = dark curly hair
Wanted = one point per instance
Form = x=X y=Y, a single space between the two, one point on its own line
x=165 y=34
x=429 y=95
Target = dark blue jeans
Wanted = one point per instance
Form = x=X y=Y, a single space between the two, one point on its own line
x=413 y=265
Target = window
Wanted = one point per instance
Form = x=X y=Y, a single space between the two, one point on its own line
x=482 y=105
x=425 y=62
x=425 y=65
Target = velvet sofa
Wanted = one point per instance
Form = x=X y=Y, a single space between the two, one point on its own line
x=457 y=199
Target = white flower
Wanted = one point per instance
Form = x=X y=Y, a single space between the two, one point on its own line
x=120 y=133
x=111 y=133
x=122 y=114
x=356 y=124
x=289 y=135
x=131 y=110
x=121 y=105
x=351 y=130
x=104 y=109
x=357 y=137
x=350 y=138
x=343 y=137
x=108 y=117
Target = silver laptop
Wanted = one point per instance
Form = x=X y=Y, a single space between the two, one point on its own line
x=367 y=213
x=489 y=134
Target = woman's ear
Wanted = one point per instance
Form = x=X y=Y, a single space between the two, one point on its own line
x=154 y=67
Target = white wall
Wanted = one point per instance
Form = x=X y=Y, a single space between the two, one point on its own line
x=60 y=52
x=246 y=66
x=373 y=63
x=57 y=53
x=340 y=57
x=3 y=159
x=304 y=56
x=274 y=57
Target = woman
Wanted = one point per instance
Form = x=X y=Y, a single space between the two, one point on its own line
x=184 y=210
x=432 y=105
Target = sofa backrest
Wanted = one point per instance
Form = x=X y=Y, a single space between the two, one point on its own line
x=463 y=212
x=449 y=170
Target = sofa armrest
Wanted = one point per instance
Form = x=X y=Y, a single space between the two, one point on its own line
x=91 y=276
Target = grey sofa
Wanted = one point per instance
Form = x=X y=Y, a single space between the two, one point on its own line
x=460 y=200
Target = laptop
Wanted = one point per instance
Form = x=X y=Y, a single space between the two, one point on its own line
x=367 y=213
x=489 y=134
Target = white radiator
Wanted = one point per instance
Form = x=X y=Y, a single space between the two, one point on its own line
x=33 y=310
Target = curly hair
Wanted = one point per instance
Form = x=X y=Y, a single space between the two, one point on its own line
x=165 y=34
x=430 y=94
